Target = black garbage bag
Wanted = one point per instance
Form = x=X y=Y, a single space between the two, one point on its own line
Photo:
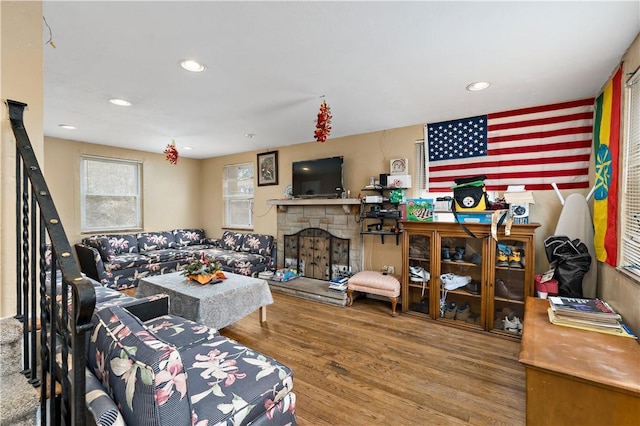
x=571 y=260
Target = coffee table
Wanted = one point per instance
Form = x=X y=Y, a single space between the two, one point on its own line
x=215 y=305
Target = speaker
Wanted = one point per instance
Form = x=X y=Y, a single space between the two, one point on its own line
x=383 y=179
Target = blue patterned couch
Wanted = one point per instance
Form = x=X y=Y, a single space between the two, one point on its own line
x=147 y=367
x=118 y=261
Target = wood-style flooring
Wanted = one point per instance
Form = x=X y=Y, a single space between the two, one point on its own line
x=360 y=366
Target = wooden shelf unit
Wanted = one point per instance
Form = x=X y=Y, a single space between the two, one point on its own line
x=423 y=244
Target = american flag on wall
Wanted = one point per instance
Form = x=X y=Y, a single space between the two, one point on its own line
x=530 y=146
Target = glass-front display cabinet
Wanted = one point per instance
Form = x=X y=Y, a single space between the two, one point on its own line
x=480 y=283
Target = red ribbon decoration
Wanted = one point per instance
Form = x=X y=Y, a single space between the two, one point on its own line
x=171 y=153
x=323 y=124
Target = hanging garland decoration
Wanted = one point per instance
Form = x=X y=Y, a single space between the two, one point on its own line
x=171 y=152
x=323 y=124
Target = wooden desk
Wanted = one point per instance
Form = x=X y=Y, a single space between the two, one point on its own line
x=577 y=377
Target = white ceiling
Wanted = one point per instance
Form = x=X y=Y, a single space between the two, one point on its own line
x=380 y=65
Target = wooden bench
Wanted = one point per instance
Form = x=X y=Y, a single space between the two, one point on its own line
x=373 y=282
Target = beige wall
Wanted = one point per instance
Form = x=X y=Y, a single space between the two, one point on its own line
x=20 y=80
x=171 y=193
x=622 y=292
x=364 y=155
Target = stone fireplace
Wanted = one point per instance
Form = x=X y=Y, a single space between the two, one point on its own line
x=331 y=239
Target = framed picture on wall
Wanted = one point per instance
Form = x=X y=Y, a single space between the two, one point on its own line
x=399 y=166
x=268 y=168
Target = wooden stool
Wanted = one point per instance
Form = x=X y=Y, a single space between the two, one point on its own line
x=373 y=282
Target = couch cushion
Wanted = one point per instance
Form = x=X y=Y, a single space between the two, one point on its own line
x=123 y=243
x=235 y=383
x=241 y=263
x=168 y=255
x=155 y=241
x=258 y=243
x=125 y=261
x=188 y=237
x=144 y=375
x=100 y=243
x=232 y=240
x=180 y=332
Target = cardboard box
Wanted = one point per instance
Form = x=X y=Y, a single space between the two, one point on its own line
x=484 y=216
x=419 y=209
x=399 y=181
x=519 y=212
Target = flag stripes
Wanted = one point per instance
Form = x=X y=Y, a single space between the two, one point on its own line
x=533 y=146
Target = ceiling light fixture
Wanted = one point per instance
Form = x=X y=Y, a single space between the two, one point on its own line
x=119 y=102
x=250 y=135
x=193 y=66
x=478 y=85
x=67 y=126
x=187 y=148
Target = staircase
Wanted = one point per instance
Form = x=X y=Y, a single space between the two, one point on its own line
x=19 y=400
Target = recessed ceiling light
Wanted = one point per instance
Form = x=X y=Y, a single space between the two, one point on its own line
x=119 y=102
x=478 y=85
x=187 y=148
x=193 y=66
x=67 y=126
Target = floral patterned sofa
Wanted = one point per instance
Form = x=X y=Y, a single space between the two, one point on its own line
x=147 y=367
x=118 y=261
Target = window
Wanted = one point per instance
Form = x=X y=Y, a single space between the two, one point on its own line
x=110 y=197
x=630 y=246
x=237 y=191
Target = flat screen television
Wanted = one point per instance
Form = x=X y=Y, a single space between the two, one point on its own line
x=321 y=178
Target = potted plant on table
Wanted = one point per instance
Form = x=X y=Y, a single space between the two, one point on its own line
x=203 y=270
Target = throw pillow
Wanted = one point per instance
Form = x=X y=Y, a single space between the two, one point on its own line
x=155 y=241
x=232 y=240
x=188 y=237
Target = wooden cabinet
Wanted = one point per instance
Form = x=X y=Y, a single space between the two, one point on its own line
x=578 y=377
x=475 y=283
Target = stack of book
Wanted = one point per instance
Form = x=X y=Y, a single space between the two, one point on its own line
x=338 y=283
x=587 y=314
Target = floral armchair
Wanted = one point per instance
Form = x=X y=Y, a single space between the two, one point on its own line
x=172 y=371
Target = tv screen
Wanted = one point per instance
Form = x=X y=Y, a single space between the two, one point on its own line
x=317 y=178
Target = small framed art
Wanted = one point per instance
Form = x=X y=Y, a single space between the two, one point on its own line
x=268 y=168
x=399 y=166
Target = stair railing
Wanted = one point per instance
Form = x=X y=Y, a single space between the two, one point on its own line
x=52 y=295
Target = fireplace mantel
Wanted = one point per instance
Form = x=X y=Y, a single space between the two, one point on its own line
x=346 y=203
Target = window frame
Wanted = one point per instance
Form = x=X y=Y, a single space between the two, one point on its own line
x=629 y=260
x=84 y=227
x=228 y=199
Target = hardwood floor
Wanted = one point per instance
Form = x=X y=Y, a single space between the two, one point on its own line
x=360 y=366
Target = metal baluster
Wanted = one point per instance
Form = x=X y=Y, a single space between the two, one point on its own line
x=25 y=273
x=43 y=324
x=19 y=314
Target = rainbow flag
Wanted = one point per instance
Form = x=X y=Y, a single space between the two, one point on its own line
x=606 y=140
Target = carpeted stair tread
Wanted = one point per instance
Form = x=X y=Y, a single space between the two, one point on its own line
x=18 y=400
x=10 y=346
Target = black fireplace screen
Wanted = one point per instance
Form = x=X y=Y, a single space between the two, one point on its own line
x=316 y=253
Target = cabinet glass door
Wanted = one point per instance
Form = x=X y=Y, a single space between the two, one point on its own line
x=460 y=284
x=419 y=276
x=509 y=285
